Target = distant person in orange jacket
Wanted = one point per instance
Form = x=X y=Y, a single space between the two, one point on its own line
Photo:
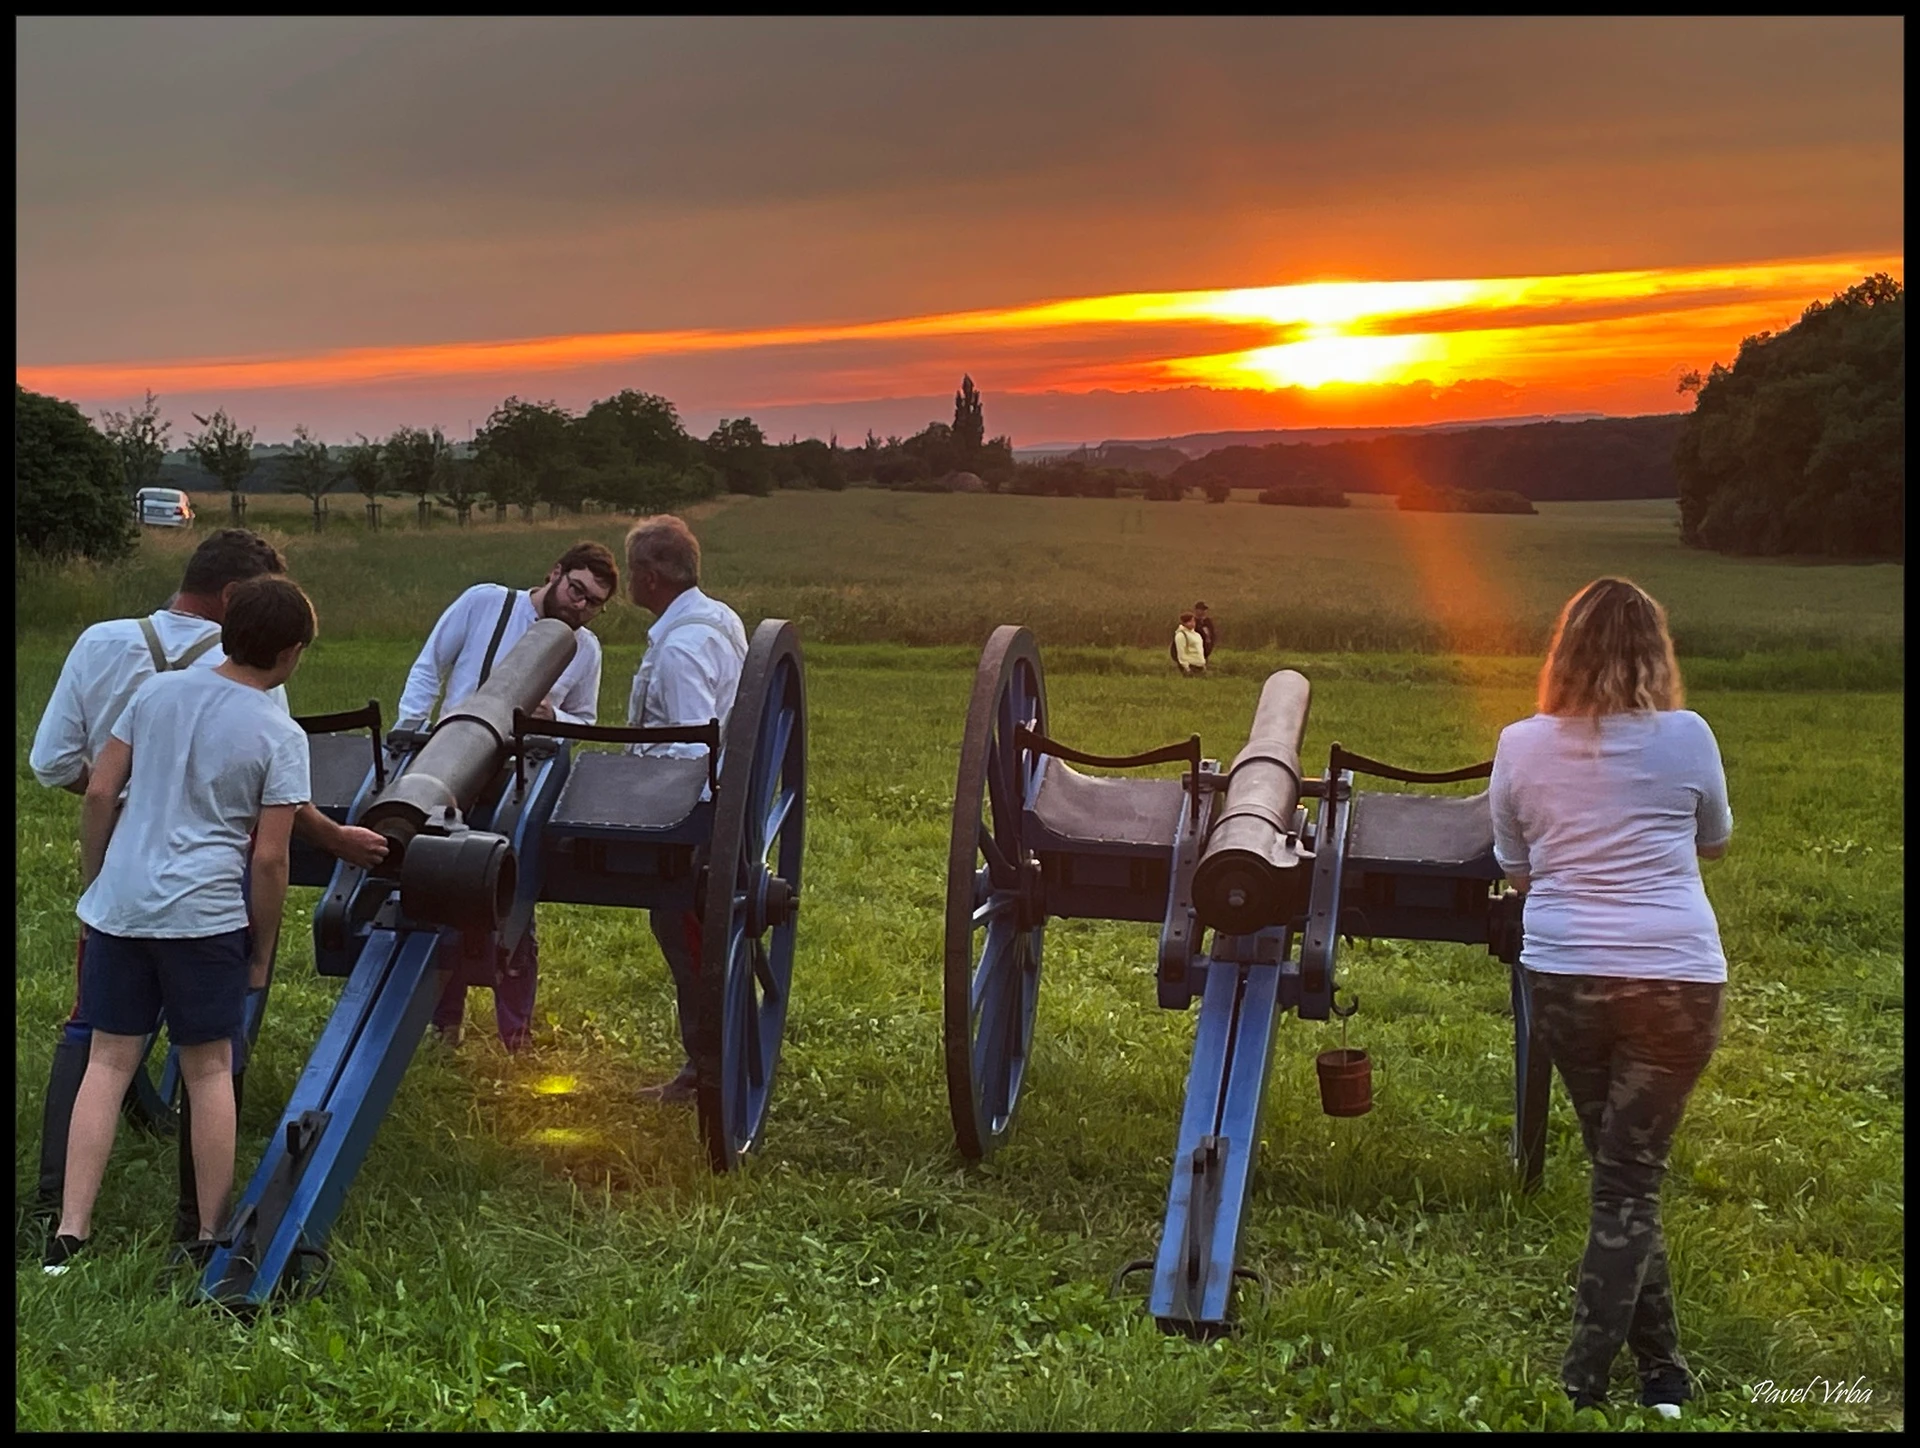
x=1189 y=652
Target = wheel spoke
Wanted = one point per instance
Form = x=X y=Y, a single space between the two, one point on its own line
x=999 y=867
x=776 y=818
x=998 y=904
x=763 y=970
x=750 y=1028
x=989 y=1046
x=993 y=953
x=776 y=757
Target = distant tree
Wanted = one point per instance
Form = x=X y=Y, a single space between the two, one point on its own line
x=1305 y=495
x=310 y=471
x=69 y=486
x=415 y=458
x=523 y=449
x=462 y=482
x=139 y=437
x=634 y=429
x=995 y=463
x=934 y=450
x=1218 y=490
x=1463 y=500
x=969 y=424
x=808 y=463
x=365 y=468
x=226 y=451
x=1801 y=446
x=738 y=449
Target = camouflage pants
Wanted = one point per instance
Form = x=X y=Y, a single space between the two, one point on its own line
x=1630 y=1052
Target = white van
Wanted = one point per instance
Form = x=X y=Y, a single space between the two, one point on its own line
x=163 y=508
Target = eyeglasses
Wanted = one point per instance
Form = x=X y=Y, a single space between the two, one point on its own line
x=583 y=596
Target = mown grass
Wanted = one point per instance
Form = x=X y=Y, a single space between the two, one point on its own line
x=515 y=1255
x=868 y=566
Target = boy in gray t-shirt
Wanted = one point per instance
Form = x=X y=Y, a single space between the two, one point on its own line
x=207 y=759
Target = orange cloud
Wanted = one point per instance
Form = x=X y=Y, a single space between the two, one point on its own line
x=1571 y=336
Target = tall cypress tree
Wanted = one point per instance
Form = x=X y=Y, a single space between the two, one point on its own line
x=969 y=422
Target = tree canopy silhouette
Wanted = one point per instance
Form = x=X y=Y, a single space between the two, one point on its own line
x=1801 y=446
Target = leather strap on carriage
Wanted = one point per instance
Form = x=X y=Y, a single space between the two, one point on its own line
x=1360 y=764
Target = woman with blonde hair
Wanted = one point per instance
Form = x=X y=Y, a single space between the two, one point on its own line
x=1604 y=802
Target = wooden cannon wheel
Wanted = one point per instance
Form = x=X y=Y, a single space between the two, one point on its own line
x=995 y=918
x=752 y=894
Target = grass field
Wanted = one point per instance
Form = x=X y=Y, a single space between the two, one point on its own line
x=529 y=1247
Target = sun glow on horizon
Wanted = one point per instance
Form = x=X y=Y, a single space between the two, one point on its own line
x=1578 y=330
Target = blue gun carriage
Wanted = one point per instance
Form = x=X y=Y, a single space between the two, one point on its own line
x=486 y=814
x=1252 y=893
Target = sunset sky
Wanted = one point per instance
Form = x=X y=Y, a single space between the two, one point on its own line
x=1131 y=228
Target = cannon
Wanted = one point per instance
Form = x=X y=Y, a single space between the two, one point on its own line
x=1252 y=894
x=486 y=814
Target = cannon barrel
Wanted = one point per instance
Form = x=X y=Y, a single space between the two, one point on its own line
x=449 y=874
x=470 y=743
x=1250 y=874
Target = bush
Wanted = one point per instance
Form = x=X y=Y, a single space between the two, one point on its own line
x=1305 y=495
x=70 y=496
x=1218 y=490
x=1464 y=500
x=1165 y=490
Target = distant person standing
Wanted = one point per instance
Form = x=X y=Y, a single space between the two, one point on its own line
x=1189 y=649
x=696 y=650
x=479 y=628
x=1603 y=803
x=1204 y=625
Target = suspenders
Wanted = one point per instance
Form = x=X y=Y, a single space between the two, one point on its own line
x=160 y=664
x=493 y=644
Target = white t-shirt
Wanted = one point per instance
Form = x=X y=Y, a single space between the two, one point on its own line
x=457 y=647
x=1606 y=820
x=208 y=754
x=690 y=671
x=105 y=665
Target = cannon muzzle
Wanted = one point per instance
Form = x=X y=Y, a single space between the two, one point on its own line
x=1251 y=871
x=470 y=744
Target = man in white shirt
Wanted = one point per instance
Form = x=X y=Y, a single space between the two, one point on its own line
x=690 y=673
x=190 y=806
x=107 y=664
x=478 y=629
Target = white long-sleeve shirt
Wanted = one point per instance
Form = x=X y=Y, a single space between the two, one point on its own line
x=106 y=664
x=1606 y=817
x=448 y=669
x=690 y=671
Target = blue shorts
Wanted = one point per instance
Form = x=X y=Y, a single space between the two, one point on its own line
x=125 y=981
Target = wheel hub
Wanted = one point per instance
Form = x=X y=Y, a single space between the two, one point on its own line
x=771 y=901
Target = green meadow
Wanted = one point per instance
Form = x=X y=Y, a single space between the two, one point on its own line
x=528 y=1246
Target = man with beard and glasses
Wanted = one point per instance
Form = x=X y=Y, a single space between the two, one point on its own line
x=475 y=632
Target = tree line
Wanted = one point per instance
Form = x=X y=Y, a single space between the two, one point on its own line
x=1615 y=457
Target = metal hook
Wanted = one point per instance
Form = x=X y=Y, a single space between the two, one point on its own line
x=1334 y=1003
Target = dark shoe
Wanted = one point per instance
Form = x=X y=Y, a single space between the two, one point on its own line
x=677 y=1092
x=60 y=1253
x=1584 y=1399
x=1669 y=1389
x=448 y=1036
x=194 y=1253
